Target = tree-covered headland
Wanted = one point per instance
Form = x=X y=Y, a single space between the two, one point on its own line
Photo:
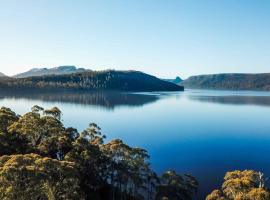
x=108 y=80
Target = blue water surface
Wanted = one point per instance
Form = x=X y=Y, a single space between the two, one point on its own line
x=204 y=133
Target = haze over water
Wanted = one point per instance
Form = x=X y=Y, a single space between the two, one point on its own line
x=204 y=133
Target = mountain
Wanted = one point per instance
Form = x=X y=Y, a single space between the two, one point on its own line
x=177 y=80
x=229 y=81
x=94 y=80
x=2 y=75
x=50 y=71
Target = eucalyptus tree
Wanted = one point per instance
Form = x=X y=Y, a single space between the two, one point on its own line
x=244 y=185
x=31 y=176
x=176 y=187
x=153 y=182
x=7 y=117
x=10 y=143
x=129 y=169
x=118 y=154
x=91 y=162
x=13 y=143
x=44 y=131
x=139 y=169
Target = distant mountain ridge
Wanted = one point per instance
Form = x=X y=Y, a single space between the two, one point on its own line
x=93 y=80
x=177 y=80
x=230 y=81
x=2 y=75
x=50 y=71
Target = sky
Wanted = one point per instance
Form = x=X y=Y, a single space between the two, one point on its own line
x=165 y=38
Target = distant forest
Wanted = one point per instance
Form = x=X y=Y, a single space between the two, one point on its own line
x=229 y=81
x=93 y=80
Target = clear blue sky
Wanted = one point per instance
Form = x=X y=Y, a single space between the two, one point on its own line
x=162 y=37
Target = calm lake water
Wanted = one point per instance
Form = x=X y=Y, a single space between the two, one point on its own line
x=204 y=133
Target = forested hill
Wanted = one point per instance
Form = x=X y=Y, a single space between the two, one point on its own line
x=229 y=81
x=93 y=80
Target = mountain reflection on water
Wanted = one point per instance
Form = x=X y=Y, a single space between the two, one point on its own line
x=105 y=99
x=260 y=99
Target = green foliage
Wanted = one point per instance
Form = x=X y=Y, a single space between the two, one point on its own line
x=44 y=132
x=229 y=81
x=91 y=161
x=174 y=186
x=129 y=169
x=43 y=160
x=31 y=176
x=13 y=143
x=7 y=117
x=241 y=185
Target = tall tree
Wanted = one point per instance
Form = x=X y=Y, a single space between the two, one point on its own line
x=241 y=185
x=90 y=159
x=176 y=187
x=44 y=131
x=31 y=176
x=7 y=117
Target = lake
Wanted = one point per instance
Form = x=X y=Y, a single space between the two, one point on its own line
x=204 y=133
